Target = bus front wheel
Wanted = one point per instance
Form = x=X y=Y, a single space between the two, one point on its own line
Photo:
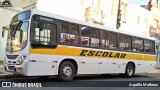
x=66 y=71
x=130 y=70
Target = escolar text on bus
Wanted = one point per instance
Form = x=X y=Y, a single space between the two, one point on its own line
x=102 y=54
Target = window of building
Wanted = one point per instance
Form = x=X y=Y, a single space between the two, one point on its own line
x=85 y=35
x=149 y=46
x=137 y=44
x=69 y=33
x=105 y=39
x=138 y=19
x=95 y=38
x=124 y=42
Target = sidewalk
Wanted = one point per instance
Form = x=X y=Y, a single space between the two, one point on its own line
x=3 y=73
x=155 y=71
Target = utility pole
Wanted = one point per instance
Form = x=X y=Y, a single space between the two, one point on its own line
x=149 y=5
x=157 y=3
x=119 y=15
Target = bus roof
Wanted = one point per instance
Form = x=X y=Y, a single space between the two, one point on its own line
x=52 y=15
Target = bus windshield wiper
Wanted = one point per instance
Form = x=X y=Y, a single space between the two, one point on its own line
x=17 y=28
x=13 y=31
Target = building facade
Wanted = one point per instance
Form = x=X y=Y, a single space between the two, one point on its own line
x=135 y=22
x=155 y=28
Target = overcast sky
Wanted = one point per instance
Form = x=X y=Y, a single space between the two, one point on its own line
x=144 y=2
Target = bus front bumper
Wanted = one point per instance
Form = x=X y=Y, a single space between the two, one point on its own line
x=17 y=69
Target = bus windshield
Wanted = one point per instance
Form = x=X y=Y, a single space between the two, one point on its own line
x=17 y=38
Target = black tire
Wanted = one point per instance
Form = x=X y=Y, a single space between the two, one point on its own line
x=66 y=71
x=130 y=70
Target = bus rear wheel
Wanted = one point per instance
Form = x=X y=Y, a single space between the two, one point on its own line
x=66 y=71
x=130 y=70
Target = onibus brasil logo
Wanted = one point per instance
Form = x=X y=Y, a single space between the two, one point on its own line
x=17 y=84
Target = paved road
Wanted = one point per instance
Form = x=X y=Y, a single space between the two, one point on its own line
x=114 y=82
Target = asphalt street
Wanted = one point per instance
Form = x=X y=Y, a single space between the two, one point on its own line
x=100 y=82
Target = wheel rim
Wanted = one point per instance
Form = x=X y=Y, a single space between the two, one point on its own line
x=130 y=70
x=67 y=71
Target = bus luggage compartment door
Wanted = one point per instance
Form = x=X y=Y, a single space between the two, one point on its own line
x=42 y=68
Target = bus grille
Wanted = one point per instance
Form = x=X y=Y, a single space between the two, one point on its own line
x=12 y=56
x=11 y=68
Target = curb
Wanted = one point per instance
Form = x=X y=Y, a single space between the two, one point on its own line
x=148 y=74
x=11 y=76
x=6 y=75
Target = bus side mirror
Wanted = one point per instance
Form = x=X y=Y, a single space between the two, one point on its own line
x=41 y=26
x=157 y=47
x=3 y=32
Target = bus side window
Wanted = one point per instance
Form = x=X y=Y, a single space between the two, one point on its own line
x=128 y=45
x=152 y=46
x=137 y=44
x=64 y=32
x=52 y=33
x=74 y=34
x=124 y=42
x=149 y=46
x=47 y=34
x=95 y=38
x=35 y=30
x=113 y=41
x=44 y=35
x=85 y=35
x=105 y=39
x=36 y=34
x=69 y=33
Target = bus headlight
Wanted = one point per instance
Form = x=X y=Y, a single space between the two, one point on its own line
x=21 y=59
